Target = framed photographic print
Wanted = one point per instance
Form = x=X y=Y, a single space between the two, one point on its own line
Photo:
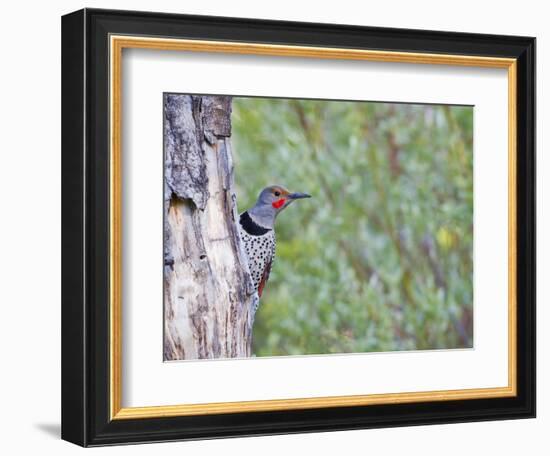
x=278 y=227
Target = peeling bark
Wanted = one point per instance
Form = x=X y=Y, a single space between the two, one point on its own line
x=208 y=293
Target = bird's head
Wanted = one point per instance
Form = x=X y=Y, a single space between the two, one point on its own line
x=271 y=201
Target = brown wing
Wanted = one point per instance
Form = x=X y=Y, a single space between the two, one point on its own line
x=265 y=276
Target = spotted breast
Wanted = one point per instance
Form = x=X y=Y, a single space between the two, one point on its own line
x=259 y=245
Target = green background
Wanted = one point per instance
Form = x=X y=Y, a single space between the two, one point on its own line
x=380 y=259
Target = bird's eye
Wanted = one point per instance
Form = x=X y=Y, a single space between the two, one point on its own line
x=277 y=193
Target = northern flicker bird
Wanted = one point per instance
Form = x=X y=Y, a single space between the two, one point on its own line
x=257 y=231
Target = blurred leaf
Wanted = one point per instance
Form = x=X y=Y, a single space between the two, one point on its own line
x=380 y=258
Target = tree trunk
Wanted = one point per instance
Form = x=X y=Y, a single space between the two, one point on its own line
x=208 y=293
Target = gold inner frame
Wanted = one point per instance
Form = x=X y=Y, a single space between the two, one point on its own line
x=117 y=44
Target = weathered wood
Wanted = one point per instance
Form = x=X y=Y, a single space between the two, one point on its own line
x=208 y=294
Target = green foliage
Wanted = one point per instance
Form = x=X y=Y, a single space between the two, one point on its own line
x=380 y=259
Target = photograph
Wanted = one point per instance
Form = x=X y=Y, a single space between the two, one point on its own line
x=315 y=227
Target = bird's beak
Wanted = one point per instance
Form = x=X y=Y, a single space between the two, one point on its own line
x=297 y=195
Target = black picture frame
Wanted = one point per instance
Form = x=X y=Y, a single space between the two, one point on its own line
x=85 y=228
